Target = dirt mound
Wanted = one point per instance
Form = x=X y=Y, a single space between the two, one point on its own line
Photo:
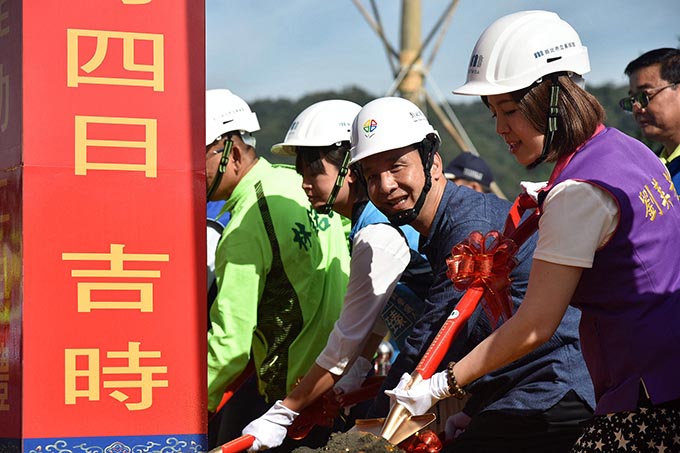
x=353 y=442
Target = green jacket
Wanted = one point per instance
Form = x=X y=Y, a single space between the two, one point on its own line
x=282 y=272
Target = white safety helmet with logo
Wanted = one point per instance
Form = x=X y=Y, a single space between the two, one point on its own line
x=324 y=123
x=387 y=123
x=391 y=123
x=519 y=49
x=226 y=112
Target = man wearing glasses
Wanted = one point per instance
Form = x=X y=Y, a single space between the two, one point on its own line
x=654 y=88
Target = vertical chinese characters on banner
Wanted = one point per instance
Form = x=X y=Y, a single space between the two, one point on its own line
x=113 y=293
x=87 y=302
x=90 y=62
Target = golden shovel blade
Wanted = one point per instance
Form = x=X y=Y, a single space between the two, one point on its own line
x=408 y=427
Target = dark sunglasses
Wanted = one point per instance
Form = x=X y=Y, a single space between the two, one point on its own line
x=642 y=98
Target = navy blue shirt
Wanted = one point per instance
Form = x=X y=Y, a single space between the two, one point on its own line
x=530 y=385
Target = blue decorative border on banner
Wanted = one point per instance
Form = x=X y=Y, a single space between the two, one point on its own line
x=121 y=444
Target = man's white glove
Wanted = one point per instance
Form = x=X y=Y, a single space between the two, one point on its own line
x=271 y=428
x=354 y=377
x=422 y=396
x=456 y=425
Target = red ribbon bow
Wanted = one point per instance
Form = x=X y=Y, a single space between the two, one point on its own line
x=485 y=261
x=423 y=442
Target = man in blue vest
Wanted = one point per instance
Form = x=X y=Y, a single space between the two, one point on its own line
x=538 y=400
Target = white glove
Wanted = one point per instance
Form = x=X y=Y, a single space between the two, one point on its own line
x=271 y=428
x=456 y=425
x=422 y=396
x=354 y=377
x=532 y=188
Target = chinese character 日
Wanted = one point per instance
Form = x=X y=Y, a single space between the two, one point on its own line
x=83 y=141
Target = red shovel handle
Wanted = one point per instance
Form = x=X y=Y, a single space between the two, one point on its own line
x=467 y=304
x=235 y=446
x=247 y=372
x=442 y=342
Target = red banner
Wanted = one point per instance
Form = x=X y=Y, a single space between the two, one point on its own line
x=113 y=222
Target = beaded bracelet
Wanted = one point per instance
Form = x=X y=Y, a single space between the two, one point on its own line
x=454 y=389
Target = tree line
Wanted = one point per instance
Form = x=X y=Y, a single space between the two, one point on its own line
x=276 y=115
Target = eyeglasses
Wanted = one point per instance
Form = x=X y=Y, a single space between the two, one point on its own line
x=642 y=98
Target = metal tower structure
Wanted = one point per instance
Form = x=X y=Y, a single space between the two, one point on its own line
x=410 y=71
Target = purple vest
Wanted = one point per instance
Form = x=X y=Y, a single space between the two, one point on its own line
x=630 y=299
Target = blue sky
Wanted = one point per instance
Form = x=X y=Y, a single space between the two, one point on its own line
x=285 y=49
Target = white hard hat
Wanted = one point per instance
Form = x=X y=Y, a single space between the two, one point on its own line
x=387 y=123
x=226 y=112
x=519 y=49
x=322 y=124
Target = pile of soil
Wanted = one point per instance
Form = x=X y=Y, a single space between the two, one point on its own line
x=353 y=442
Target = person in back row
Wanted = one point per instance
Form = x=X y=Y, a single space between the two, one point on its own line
x=537 y=401
x=281 y=270
x=654 y=101
x=469 y=170
x=608 y=236
x=319 y=140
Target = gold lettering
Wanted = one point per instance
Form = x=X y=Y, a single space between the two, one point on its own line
x=6 y=289
x=4 y=379
x=92 y=376
x=394 y=320
x=89 y=374
x=145 y=383
x=652 y=208
x=117 y=259
x=4 y=396
x=666 y=201
x=671 y=186
x=3 y=183
x=101 y=38
x=4 y=99
x=83 y=142
x=3 y=17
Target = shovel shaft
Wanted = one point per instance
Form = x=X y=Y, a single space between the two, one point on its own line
x=433 y=357
x=237 y=445
x=440 y=345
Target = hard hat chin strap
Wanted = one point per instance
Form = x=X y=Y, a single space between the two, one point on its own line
x=221 y=168
x=339 y=181
x=551 y=127
x=427 y=148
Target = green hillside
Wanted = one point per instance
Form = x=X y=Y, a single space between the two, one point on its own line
x=275 y=116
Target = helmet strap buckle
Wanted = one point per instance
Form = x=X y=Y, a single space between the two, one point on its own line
x=551 y=127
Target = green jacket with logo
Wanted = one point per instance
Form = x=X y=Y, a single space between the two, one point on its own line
x=282 y=272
